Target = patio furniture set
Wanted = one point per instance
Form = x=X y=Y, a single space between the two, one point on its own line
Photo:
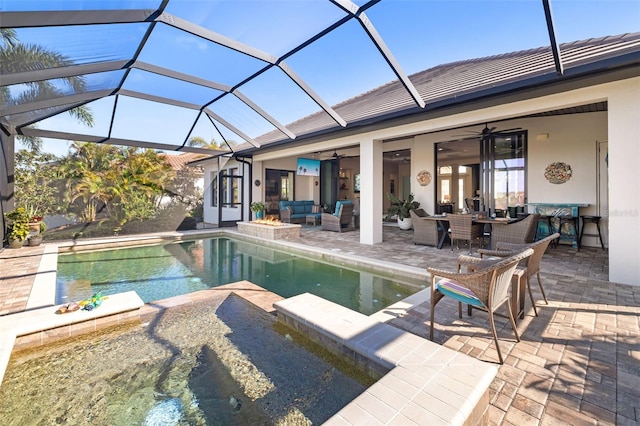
x=345 y=218
x=495 y=278
x=498 y=276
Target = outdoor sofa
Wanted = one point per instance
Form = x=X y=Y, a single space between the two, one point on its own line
x=297 y=211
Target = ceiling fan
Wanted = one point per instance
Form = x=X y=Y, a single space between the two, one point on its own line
x=486 y=132
x=334 y=155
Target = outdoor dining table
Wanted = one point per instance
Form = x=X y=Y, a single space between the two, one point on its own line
x=444 y=225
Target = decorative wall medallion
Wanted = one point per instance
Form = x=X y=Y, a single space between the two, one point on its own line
x=257 y=182
x=424 y=178
x=558 y=172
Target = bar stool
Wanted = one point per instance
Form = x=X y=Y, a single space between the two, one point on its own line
x=595 y=220
x=572 y=222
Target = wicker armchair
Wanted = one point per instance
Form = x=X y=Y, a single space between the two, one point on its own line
x=531 y=266
x=463 y=228
x=487 y=289
x=285 y=215
x=342 y=222
x=521 y=232
x=424 y=231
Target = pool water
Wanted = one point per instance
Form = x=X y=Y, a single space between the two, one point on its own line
x=161 y=271
x=221 y=361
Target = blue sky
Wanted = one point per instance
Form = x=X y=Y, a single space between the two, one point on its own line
x=420 y=33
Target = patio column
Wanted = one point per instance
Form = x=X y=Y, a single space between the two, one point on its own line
x=7 y=169
x=370 y=192
x=624 y=175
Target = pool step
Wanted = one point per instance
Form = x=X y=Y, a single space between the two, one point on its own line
x=420 y=381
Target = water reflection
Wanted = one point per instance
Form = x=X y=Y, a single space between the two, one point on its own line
x=161 y=271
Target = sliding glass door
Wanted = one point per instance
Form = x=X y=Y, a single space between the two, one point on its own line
x=278 y=187
x=503 y=169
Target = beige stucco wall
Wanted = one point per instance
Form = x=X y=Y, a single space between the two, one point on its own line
x=624 y=182
x=572 y=140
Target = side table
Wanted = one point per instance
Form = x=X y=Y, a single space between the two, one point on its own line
x=311 y=219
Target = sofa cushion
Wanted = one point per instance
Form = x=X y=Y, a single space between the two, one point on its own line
x=299 y=209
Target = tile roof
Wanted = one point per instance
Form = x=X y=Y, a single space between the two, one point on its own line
x=177 y=162
x=463 y=81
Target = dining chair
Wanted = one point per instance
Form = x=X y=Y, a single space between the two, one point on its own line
x=487 y=289
x=521 y=232
x=461 y=227
x=530 y=266
x=425 y=232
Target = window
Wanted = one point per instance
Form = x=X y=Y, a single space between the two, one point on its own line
x=214 y=189
x=509 y=172
x=445 y=190
x=231 y=181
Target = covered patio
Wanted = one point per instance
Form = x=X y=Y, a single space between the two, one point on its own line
x=577 y=362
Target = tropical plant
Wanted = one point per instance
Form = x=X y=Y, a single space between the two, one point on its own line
x=401 y=208
x=17 y=224
x=37 y=184
x=258 y=206
x=18 y=231
x=125 y=183
x=198 y=141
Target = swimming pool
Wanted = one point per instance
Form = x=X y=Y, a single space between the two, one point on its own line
x=161 y=271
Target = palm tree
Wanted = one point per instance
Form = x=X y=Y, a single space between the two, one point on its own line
x=84 y=172
x=201 y=143
x=19 y=57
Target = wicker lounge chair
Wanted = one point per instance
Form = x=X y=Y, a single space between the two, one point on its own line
x=531 y=266
x=486 y=289
x=340 y=223
x=521 y=232
x=463 y=228
x=424 y=231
